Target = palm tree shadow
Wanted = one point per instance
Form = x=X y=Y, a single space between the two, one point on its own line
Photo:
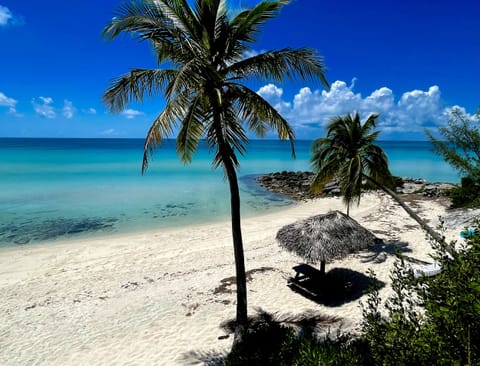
x=266 y=330
x=337 y=287
x=379 y=252
x=207 y=358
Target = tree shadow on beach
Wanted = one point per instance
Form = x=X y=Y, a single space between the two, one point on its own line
x=383 y=249
x=207 y=358
x=337 y=287
x=379 y=252
x=263 y=331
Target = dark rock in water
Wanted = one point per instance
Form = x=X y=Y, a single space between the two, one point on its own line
x=21 y=241
x=295 y=185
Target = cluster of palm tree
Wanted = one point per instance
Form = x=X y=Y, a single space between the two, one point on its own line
x=203 y=73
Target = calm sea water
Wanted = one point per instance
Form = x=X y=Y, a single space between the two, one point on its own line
x=60 y=189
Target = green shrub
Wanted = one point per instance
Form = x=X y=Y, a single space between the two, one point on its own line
x=343 y=350
x=467 y=195
x=434 y=321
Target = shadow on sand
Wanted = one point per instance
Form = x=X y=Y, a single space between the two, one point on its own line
x=379 y=252
x=304 y=322
x=337 y=287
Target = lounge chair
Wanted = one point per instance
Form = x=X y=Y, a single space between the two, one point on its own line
x=428 y=270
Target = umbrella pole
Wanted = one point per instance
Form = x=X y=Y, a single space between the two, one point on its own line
x=322 y=268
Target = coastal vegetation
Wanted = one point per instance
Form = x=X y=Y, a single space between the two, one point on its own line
x=426 y=321
x=203 y=71
x=349 y=155
x=460 y=147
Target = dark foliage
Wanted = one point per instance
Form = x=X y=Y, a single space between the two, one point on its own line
x=266 y=343
x=431 y=321
x=467 y=195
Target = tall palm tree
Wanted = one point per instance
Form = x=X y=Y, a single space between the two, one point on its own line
x=202 y=69
x=348 y=153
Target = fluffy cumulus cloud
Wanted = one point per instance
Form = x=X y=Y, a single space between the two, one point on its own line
x=131 y=113
x=8 y=102
x=7 y=18
x=311 y=109
x=274 y=95
x=44 y=108
x=68 y=110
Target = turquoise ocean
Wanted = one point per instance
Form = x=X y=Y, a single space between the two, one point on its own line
x=63 y=189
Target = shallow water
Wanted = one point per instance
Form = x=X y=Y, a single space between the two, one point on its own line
x=57 y=189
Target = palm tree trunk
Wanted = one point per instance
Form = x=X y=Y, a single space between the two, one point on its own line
x=436 y=236
x=241 y=322
x=225 y=151
x=322 y=268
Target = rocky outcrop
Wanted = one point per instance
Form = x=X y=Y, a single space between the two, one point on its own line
x=421 y=186
x=296 y=185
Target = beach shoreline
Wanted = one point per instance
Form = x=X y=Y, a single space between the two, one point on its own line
x=158 y=297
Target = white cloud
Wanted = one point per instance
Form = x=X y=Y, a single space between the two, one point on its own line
x=46 y=100
x=45 y=109
x=108 y=132
x=7 y=18
x=250 y=53
x=10 y=103
x=131 y=113
x=91 y=111
x=273 y=95
x=271 y=91
x=6 y=101
x=5 y=15
x=411 y=113
x=68 y=109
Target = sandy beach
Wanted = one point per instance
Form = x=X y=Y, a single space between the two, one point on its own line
x=158 y=298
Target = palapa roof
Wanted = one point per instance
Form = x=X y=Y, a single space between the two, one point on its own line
x=323 y=238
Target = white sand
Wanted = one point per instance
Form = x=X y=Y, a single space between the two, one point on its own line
x=151 y=299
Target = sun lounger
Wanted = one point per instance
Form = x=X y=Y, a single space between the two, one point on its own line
x=428 y=270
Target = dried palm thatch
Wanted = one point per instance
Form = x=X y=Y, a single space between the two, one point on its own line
x=323 y=238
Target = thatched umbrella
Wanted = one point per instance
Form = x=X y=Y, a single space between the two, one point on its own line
x=323 y=238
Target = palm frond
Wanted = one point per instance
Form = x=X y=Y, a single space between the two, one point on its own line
x=188 y=77
x=163 y=24
x=282 y=64
x=135 y=85
x=164 y=125
x=260 y=116
x=191 y=132
x=369 y=124
x=248 y=22
x=137 y=18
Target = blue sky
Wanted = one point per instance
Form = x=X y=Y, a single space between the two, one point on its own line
x=411 y=61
